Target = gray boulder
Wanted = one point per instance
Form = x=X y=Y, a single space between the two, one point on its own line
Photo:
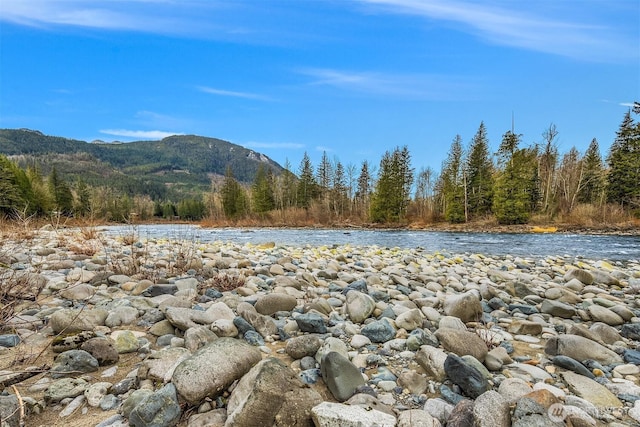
x=73 y=362
x=340 y=375
x=329 y=414
x=580 y=348
x=70 y=320
x=213 y=368
x=274 y=302
x=379 y=331
x=159 y=409
x=359 y=306
x=465 y=306
x=462 y=342
x=271 y=394
x=558 y=309
x=491 y=410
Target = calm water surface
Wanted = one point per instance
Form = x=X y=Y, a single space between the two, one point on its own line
x=614 y=248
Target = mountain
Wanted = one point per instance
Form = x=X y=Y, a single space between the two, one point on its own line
x=177 y=165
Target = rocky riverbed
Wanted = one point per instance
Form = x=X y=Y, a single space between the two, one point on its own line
x=113 y=331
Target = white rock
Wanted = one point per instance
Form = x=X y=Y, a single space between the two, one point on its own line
x=328 y=414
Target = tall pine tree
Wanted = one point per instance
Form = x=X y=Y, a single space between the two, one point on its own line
x=451 y=187
x=479 y=174
x=594 y=178
x=624 y=164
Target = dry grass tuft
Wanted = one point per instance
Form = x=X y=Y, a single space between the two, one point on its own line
x=224 y=282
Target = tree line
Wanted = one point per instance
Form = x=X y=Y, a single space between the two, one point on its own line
x=510 y=186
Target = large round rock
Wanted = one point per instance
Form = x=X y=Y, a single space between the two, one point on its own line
x=272 y=303
x=271 y=394
x=213 y=368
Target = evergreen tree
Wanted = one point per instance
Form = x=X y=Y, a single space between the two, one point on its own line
x=324 y=173
x=594 y=178
x=307 y=187
x=363 y=191
x=42 y=198
x=10 y=198
x=391 y=196
x=515 y=187
x=61 y=193
x=451 y=183
x=479 y=174
x=83 y=199
x=262 y=191
x=234 y=199
x=339 y=198
x=191 y=209
x=624 y=164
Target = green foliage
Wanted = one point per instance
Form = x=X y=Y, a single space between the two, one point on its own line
x=191 y=209
x=83 y=199
x=479 y=174
x=515 y=187
x=262 y=192
x=307 y=189
x=391 y=196
x=594 y=178
x=61 y=194
x=451 y=183
x=234 y=199
x=10 y=198
x=624 y=164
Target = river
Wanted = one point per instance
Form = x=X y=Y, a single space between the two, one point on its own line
x=597 y=247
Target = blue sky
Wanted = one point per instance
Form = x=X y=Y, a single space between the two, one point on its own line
x=354 y=78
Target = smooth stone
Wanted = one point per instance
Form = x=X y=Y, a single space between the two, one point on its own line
x=438 y=409
x=359 y=341
x=102 y=349
x=607 y=334
x=462 y=342
x=340 y=375
x=274 y=302
x=558 y=309
x=160 y=408
x=70 y=321
x=125 y=341
x=121 y=316
x=432 y=359
x=197 y=337
x=462 y=414
x=312 y=323
x=379 y=331
x=631 y=331
x=10 y=411
x=73 y=362
x=210 y=370
x=410 y=320
x=496 y=358
x=466 y=376
x=65 y=388
x=580 y=348
x=331 y=344
x=513 y=389
x=572 y=365
x=416 y=418
x=451 y=322
x=359 y=306
x=583 y=276
x=604 y=315
x=304 y=345
x=272 y=393
x=96 y=392
x=465 y=306
x=590 y=390
x=9 y=340
x=329 y=414
x=524 y=327
x=490 y=409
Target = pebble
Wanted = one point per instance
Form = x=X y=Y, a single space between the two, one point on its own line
x=477 y=334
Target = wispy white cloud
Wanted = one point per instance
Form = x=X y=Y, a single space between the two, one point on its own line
x=408 y=86
x=156 y=16
x=145 y=134
x=234 y=94
x=280 y=145
x=627 y=104
x=551 y=30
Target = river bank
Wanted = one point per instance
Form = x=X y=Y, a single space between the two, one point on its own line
x=153 y=331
